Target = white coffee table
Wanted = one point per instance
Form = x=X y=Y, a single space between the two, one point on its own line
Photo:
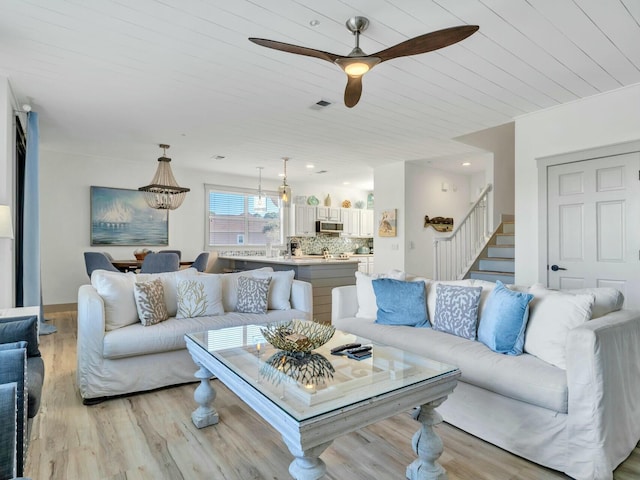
x=309 y=412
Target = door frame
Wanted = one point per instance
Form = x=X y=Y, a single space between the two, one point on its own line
x=543 y=164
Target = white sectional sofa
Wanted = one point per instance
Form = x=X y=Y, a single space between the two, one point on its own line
x=118 y=355
x=574 y=408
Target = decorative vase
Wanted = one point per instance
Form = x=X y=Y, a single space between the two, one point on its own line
x=327 y=201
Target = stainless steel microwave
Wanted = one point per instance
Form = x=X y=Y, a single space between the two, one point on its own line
x=323 y=226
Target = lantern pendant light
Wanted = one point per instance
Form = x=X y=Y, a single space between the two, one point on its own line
x=284 y=190
x=260 y=202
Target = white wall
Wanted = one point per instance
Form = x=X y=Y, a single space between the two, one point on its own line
x=604 y=119
x=500 y=141
x=389 y=181
x=424 y=196
x=65 y=212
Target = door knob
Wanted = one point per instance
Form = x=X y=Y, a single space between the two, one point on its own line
x=555 y=268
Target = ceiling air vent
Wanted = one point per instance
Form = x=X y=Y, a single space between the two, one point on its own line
x=322 y=104
x=322 y=171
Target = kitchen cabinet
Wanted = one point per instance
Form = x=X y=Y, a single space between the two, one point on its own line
x=328 y=213
x=365 y=264
x=367 y=226
x=304 y=221
x=350 y=218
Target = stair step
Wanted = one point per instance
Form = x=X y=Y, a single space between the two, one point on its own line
x=508 y=227
x=505 y=239
x=506 y=278
x=504 y=265
x=501 y=251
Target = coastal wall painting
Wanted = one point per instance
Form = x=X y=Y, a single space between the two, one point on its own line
x=122 y=217
x=387 y=226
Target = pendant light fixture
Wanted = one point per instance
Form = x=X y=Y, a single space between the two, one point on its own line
x=260 y=202
x=284 y=191
x=164 y=193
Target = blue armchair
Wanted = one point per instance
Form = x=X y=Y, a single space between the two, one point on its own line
x=22 y=365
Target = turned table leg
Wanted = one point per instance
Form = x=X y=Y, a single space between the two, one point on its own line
x=427 y=445
x=204 y=396
x=307 y=464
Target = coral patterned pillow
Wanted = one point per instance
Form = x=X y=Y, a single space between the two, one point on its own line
x=150 y=302
x=253 y=294
x=200 y=296
x=457 y=310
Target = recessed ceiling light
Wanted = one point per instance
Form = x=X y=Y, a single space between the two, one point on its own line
x=314 y=22
x=281 y=174
x=466 y=164
x=346 y=183
x=310 y=166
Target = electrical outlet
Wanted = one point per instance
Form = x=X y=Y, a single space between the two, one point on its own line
x=395 y=246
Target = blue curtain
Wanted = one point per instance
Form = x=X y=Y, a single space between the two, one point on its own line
x=32 y=283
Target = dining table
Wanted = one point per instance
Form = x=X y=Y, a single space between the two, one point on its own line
x=134 y=265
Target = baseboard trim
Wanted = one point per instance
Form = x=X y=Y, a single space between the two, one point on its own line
x=60 y=307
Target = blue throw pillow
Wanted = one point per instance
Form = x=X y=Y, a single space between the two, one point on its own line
x=457 y=310
x=401 y=303
x=504 y=320
x=14 y=329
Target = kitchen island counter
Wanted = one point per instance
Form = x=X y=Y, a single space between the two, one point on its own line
x=323 y=274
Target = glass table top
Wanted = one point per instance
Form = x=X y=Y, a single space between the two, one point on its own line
x=307 y=385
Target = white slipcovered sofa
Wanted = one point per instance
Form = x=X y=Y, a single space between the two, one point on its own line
x=118 y=355
x=574 y=406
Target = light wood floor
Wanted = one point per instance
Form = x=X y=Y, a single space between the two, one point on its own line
x=150 y=436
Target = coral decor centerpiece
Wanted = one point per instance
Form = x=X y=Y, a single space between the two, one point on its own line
x=298 y=335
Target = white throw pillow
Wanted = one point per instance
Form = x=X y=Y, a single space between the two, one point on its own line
x=279 y=288
x=116 y=290
x=230 y=287
x=199 y=296
x=170 y=284
x=367 y=307
x=551 y=315
x=607 y=299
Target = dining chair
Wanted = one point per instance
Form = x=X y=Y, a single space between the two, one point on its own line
x=179 y=252
x=201 y=261
x=97 y=261
x=160 y=262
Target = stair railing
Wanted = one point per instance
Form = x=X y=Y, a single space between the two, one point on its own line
x=455 y=253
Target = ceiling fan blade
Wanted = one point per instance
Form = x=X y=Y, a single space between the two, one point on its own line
x=287 y=47
x=427 y=42
x=353 y=91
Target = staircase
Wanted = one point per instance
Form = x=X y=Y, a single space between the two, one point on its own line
x=496 y=261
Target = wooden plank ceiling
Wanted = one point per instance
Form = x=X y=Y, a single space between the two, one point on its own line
x=114 y=77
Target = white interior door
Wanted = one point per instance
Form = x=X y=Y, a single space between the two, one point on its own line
x=593 y=225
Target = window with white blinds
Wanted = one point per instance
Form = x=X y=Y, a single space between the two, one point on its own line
x=233 y=219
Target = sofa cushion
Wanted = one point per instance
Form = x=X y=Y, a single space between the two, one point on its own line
x=551 y=315
x=504 y=320
x=199 y=296
x=169 y=335
x=253 y=294
x=15 y=329
x=230 y=287
x=150 y=302
x=170 y=283
x=457 y=310
x=279 y=288
x=116 y=290
x=367 y=307
x=400 y=303
x=522 y=377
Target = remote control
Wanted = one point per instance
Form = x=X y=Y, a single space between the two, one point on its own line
x=364 y=348
x=360 y=355
x=341 y=350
